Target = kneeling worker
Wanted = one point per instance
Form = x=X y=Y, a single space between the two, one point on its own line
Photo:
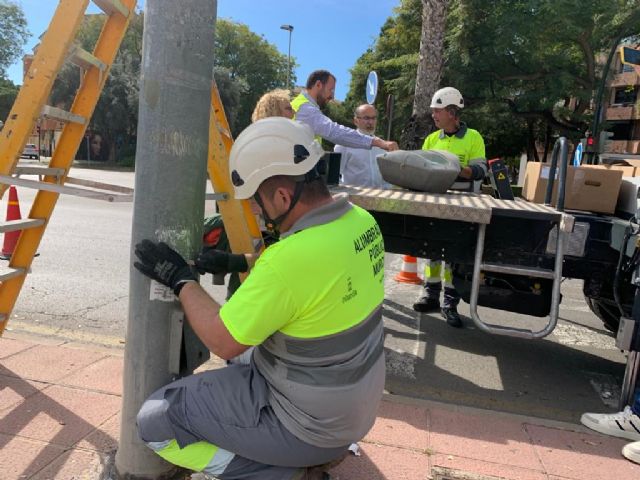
x=453 y=136
x=311 y=306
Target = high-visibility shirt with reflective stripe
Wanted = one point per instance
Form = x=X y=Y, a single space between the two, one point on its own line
x=468 y=147
x=312 y=303
x=318 y=281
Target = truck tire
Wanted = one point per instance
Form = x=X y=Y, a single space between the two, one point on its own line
x=605 y=311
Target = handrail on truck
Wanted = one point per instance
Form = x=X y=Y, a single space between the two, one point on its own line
x=561 y=149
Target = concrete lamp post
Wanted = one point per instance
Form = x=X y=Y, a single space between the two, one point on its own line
x=289 y=28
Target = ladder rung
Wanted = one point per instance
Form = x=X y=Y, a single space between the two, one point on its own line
x=112 y=6
x=8 y=272
x=62 y=115
x=84 y=59
x=34 y=170
x=63 y=189
x=15 y=225
x=525 y=272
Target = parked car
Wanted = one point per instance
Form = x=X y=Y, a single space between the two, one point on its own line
x=31 y=151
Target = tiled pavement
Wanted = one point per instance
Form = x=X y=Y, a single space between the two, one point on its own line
x=59 y=419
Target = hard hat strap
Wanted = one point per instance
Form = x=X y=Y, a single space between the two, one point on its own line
x=273 y=224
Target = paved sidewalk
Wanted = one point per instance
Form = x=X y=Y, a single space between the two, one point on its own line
x=59 y=419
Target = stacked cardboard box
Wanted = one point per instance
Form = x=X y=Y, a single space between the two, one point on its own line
x=590 y=188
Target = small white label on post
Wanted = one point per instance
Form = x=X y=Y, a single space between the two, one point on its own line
x=158 y=291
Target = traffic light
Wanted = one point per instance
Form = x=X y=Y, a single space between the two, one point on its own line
x=588 y=144
x=604 y=141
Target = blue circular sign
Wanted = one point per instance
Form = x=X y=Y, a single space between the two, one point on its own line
x=371 y=89
x=577 y=155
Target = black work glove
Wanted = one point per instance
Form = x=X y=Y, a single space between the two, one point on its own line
x=217 y=262
x=163 y=264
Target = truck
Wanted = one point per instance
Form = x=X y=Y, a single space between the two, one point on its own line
x=512 y=255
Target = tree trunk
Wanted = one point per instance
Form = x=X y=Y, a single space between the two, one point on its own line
x=434 y=13
x=547 y=142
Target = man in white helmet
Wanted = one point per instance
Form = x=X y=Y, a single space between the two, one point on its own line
x=312 y=308
x=453 y=136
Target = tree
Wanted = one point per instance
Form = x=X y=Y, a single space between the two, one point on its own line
x=528 y=69
x=13 y=33
x=394 y=57
x=429 y=71
x=8 y=94
x=115 y=117
x=537 y=58
x=252 y=62
x=246 y=67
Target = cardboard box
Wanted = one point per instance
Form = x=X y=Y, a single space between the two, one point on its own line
x=628 y=197
x=633 y=163
x=589 y=189
x=631 y=171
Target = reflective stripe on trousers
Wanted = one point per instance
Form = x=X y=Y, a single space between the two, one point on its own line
x=433 y=272
x=200 y=456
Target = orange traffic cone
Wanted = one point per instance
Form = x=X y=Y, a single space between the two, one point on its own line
x=409 y=271
x=13 y=213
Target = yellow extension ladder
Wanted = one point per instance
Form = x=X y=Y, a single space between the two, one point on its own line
x=240 y=223
x=57 y=46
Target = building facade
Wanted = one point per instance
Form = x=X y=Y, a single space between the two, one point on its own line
x=621 y=109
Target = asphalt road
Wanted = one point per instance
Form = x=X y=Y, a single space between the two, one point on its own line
x=78 y=289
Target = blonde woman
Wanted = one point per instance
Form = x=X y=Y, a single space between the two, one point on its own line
x=276 y=103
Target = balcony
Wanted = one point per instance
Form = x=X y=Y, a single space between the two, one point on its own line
x=624 y=79
x=622 y=112
x=623 y=146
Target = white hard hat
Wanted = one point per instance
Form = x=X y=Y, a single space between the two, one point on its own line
x=447 y=96
x=269 y=147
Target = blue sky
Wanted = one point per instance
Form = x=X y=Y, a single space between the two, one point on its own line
x=329 y=34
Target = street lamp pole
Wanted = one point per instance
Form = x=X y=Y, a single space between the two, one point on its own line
x=289 y=28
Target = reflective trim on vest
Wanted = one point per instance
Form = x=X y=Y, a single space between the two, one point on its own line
x=337 y=344
x=334 y=360
x=321 y=215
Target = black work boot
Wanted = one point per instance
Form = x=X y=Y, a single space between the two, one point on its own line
x=427 y=304
x=451 y=316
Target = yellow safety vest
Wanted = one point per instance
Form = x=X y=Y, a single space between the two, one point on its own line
x=296 y=104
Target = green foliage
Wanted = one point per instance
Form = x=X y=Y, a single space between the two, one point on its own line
x=522 y=65
x=8 y=94
x=13 y=33
x=246 y=67
x=115 y=117
x=231 y=91
x=395 y=58
x=252 y=67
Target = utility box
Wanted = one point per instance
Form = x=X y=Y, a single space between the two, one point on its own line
x=628 y=199
x=499 y=176
x=588 y=189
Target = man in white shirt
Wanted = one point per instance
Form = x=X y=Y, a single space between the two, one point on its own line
x=359 y=166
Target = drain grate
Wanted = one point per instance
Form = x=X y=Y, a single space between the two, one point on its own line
x=606 y=386
x=444 y=473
